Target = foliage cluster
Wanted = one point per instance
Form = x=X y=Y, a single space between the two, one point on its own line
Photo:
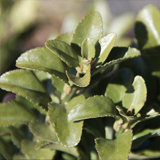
x=83 y=97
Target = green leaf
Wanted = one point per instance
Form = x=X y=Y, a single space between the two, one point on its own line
x=114 y=149
x=16 y=134
x=106 y=44
x=135 y=96
x=14 y=113
x=31 y=153
x=88 y=49
x=90 y=27
x=64 y=51
x=72 y=150
x=43 y=131
x=93 y=107
x=119 y=84
x=68 y=132
x=19 y=157
x=42 y=59
x=81 y=81
x=26 y=84
x=65 y=37
x=6 y=149
x=147 y=27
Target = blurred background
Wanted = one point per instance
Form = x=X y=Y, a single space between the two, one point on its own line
x=27 y=24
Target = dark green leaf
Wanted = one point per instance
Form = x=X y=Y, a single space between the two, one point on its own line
x=14 y=113
x=64 y=51
x=42 y=59
x=26 y=84
x=90 y=27
x=93 y=107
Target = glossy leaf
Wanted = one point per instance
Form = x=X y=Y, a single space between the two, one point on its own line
x=147 y=27
x=119 y=84
x=26 y=84
x=106 y=44
x=31 y=153
x=135 y=96
x=42 y=59
x=68 y=132
x=93 y=107
x=88 y=49
x=64 y=51
x=43 y=131
x=90 y=27
x=14 y=113
x=114 y=149
x=80 y=81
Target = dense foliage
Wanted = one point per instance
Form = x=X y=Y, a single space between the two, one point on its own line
x=83 y=97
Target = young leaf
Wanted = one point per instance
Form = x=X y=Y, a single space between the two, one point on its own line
x=119 y=84
x=26 y=84
x=65 y=37
x=42 y=59
x=80 y=81
x=14 y=113
x=147 y=27
x=135 y=96
x=98 y=106
x=114 y=149
x=106 y=44
x=88 y=49
x=64 y=51
x=43 y=131
x=90 y=27
x=68 y=133
x=29 y=150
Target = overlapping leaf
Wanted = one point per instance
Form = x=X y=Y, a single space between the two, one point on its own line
x=31 y=153
x=42 y=59
x=81 y=81
x=135 y=96
x=68 y=132
x=98 y=106
x=115 y=149
x=65 y=37
x=26 y=84
x=43 y=131
x=64 y=51
x=14 y=113
x=106 y=44
x=90 y=27
x=119 y=84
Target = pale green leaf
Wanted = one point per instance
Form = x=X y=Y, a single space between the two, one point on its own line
x=147 y=27
x=90 y=27
x=44 y=131
x=68 y=133
x=93 y=107
x=64 y=51
x=29 y=150
x=14 y=113
x=19 y=157
x=106 y=44
x=117 y=149
x=26 y=84
x=80 y=81
x=119 y=84
x=88 y=49
x=42 y=59
x=135 y=96
x=65 y=37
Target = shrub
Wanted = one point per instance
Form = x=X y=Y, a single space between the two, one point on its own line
x=82 y=97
